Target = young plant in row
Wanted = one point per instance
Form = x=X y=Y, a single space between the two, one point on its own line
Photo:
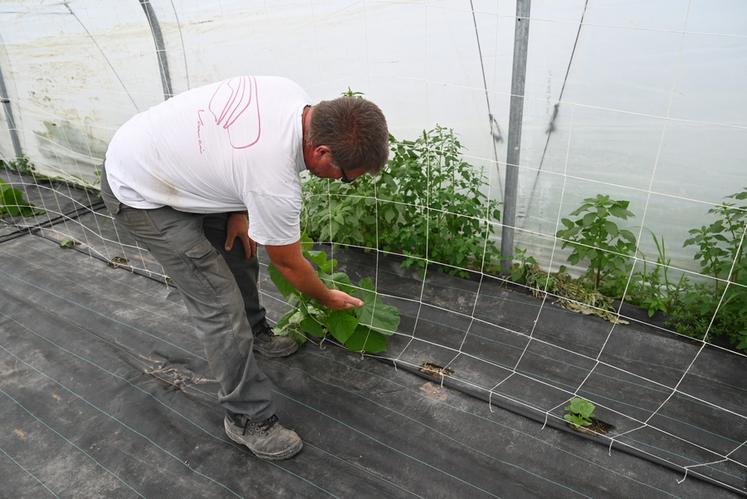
x=595 y=237
x=720 y=306
x=580 y=412
x=363 y=329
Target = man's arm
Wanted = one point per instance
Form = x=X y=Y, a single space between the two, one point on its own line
x=289 y=260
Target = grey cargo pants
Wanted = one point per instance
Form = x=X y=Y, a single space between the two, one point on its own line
x=218 y=288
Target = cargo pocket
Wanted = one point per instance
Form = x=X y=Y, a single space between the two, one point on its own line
x=207 y=266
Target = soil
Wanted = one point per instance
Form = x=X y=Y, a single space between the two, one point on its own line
x=597 y=427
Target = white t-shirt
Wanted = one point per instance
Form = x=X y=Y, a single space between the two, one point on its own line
x=231 y=146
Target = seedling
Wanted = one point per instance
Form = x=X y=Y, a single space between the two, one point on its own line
x=69 y=243
x=580 y=412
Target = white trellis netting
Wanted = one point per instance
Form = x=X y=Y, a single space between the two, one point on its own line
x=653 y=111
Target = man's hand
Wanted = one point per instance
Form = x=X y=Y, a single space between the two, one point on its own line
x=339 y=300
x=290 y=262
x=238 y=226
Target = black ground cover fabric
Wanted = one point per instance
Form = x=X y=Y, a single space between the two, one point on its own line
x=104 y=392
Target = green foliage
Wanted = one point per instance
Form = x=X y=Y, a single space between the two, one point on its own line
x=350 y=93
x=24 y=166
x=427 y=203
x=523 y=266
x=720 y=256
x=580 y=412
x=652 y=288
x=719 y=243
x=596 y=238
x=69 y=243
x=19 y=165
x=362 y=329
x=13 y=203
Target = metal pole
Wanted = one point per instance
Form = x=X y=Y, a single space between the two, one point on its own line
x=515 y=118
x=163 y=63
x=9 y=117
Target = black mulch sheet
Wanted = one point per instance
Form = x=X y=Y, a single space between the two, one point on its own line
x=104 y=391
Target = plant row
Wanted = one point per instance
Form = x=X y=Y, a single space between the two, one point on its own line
x=430 y=205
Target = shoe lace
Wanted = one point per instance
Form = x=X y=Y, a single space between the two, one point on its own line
x=263 y=329
x=262 y=426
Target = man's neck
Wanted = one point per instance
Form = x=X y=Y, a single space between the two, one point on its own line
x=305 y=125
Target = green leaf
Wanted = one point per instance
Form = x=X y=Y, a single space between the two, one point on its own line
x=366 y=293
x=317 y=257
x=626 y=234
x=338 y=279
x=619 y=212
x=581 y=407
x=389 y=215
x=611 y=228
x=312 y=327
x=306 y=243
x=281 y=323
x=589 y=219
x=69 y=243
x=12 y=202
x=576 y=420
x=283 y=285
x=365 y=340
x=379 y=316
x=341 y=324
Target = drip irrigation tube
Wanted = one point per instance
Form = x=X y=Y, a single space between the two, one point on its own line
x=541 y=418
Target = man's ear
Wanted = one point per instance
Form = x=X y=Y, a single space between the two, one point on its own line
x=321 y=151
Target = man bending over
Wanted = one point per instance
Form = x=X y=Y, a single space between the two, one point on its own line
x=190 y=176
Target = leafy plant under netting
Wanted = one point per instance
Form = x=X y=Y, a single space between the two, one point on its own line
x=363 y=329
x=428 y=202
x=652 y=288
x=13 y=203
x=595 y=237
x=431 y=205
x=718 y=307
x=580 y=412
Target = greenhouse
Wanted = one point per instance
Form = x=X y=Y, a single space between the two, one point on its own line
x=546 y=282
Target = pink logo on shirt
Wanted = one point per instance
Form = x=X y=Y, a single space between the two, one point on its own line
x=234 y=106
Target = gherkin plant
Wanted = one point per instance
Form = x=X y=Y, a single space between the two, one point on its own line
x=363 y=329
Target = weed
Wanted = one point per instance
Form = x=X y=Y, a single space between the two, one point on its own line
x=652 y=288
